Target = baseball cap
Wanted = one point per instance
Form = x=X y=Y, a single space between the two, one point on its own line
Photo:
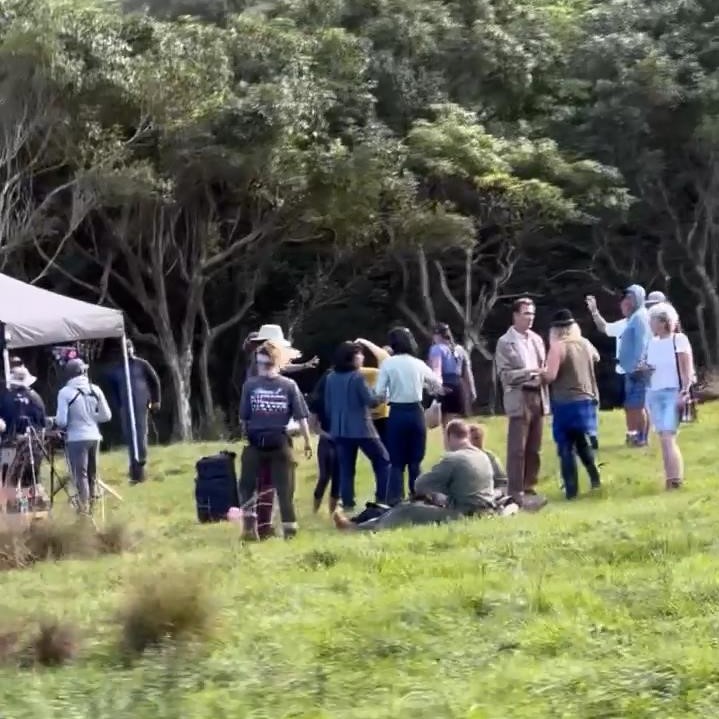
x=654 y=298
x=75 y=367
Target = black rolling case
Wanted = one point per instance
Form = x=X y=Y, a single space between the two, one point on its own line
x=216 y=487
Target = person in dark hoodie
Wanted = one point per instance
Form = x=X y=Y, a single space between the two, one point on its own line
x=635 y=339
x=146 y=394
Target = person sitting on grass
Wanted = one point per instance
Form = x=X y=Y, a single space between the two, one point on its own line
x=268 y=402
x=499 y=474
x=459 y=485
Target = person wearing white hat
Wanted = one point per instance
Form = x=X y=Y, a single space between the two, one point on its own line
x=81 y=408
x=21 y=405
x=253 y=341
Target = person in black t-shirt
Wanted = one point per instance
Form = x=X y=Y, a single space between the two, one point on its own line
x=327 y=461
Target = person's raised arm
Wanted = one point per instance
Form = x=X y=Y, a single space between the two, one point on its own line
x=378 y=352
x=599 y=321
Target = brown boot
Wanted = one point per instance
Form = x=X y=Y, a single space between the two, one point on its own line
x=249 y=528
x=266 y=531
x=343 y=522
x=333 y=504
x=316 y=504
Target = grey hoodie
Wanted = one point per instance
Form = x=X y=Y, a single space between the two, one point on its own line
x=81 y=406
x=635 y=337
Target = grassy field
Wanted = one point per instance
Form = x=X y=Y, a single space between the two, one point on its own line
x=603 y=608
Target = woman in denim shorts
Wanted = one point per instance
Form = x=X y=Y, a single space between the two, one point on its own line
x=668 y=365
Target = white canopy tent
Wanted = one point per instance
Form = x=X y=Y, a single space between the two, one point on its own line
x=31 y=317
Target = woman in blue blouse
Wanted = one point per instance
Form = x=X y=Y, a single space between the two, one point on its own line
x=347 y=402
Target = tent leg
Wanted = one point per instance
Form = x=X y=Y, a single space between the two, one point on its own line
x=130 y=400
x=5 y=355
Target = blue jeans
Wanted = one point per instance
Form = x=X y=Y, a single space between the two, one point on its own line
x=406 y=444
x=375 y=452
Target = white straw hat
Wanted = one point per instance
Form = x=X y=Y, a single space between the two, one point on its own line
x=21 y=377
x=274 y=333
x=271 y=333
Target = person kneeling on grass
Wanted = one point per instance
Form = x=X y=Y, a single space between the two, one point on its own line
x=459 y=485
x=269 y=401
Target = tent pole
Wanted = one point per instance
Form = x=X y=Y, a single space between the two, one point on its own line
x=130 y=399
x=5 y=355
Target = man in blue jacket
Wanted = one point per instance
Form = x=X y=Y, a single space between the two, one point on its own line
x=631 y=351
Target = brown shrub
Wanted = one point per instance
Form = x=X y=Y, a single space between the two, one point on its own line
x=23 y=543
x=169 y=606
x=116 y=538
x=14 y=552
x=53 y=644
x=53 y=539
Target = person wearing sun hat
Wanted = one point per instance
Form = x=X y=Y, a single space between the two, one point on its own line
x=21 y=405
x=288 y=354
x=574 y=398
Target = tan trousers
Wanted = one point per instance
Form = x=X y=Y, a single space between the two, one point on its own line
x=524 y=442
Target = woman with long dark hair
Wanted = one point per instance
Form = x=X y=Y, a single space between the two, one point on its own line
x=348 y=403
x=450 y=363
x=402 y=380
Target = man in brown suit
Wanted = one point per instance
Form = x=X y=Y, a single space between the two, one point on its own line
x=520 y=358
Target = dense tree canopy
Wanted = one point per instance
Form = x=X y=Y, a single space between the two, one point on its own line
x=339 y=166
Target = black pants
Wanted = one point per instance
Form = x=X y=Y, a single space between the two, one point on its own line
x=577 y=445
x=137 y=469
x=328 y=469
x=381 y=426
x=281 y=464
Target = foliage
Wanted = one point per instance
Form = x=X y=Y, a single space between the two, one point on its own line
x=175 y=158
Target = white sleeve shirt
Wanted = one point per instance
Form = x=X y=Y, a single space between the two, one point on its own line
x=402 y=379
x=616 y=330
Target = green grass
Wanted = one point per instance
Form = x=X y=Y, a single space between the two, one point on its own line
x=603 y=608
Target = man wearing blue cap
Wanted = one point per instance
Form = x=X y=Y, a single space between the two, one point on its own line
x=631 y=351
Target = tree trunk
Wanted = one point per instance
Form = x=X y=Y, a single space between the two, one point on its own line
x=208 y=402
x=180 y=365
